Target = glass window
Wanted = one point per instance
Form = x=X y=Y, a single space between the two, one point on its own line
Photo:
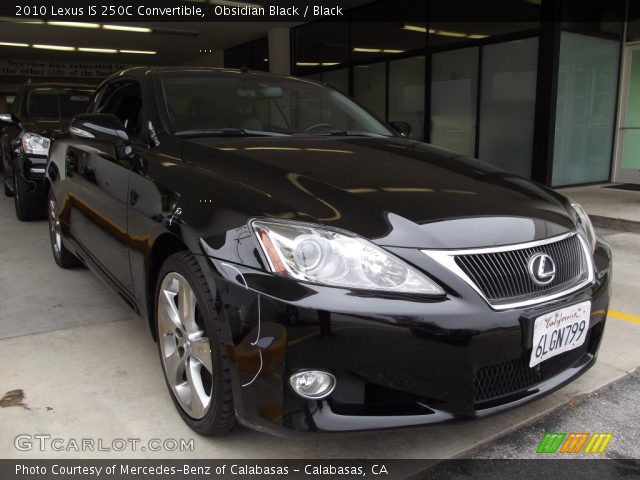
x=57 y=103
x=369 y=87
x=507 y=104
x=586 y=102
x=630 y=124
x=454 y=92
x=338 y=79
x=205 y=103
x=124 y=100
x=406 y=93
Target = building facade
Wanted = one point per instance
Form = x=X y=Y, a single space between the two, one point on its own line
x=549 y=90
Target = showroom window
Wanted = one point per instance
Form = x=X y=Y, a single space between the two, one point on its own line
x=585 y=108
x=454 y=96
x=406 y=93
x=507 y=104
x=338 y=79
x=369 y=87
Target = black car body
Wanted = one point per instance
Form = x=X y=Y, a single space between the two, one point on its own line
x=126 y=200
x=39 y=112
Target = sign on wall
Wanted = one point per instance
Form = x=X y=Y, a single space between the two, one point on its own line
x=46 y=68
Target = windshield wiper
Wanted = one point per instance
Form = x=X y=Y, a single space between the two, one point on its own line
x=226 y=132
x=349 y=133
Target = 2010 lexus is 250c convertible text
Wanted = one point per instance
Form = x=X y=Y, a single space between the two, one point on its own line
x=304 y=266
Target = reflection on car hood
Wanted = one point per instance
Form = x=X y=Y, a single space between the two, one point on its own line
x=393 y=191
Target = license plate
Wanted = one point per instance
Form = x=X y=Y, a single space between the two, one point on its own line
x=559 y=331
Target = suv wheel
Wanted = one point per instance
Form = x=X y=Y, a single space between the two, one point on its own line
x=7 y=190
x=63 y=257
x=193 y=358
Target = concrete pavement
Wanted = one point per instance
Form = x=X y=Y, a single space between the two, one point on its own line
x=89 y=369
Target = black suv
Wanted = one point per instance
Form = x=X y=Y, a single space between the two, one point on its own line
x=39 y=112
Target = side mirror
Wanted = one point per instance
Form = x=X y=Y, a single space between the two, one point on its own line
x=102 y=127
x=8 y=119
x=403 y=128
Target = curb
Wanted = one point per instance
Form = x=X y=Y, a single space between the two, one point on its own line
x=615 y=223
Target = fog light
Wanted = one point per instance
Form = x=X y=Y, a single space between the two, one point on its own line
x=313 y=384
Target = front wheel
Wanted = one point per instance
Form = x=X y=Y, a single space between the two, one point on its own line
x=191 y=351
x=7 y=191
x=63 y=257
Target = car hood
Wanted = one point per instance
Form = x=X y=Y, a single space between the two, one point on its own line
x=393 y=191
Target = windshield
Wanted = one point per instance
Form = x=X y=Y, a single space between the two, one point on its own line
x=207 y=103
x=57 y=102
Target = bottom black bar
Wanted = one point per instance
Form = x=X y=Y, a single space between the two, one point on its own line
x=544 y=468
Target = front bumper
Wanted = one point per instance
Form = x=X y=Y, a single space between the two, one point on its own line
x=399 y=362
x=32 y=171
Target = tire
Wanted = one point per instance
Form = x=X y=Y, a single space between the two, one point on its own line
x=28 y=208
x=192 y=354
x=7 y=191
x=63 y=257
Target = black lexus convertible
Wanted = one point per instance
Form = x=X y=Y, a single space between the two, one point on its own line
x=304 y=266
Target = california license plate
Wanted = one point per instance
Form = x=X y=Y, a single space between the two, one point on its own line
x=559 y=331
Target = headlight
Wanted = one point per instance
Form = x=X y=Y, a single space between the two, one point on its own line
x=336 y=258
x=35 y=144
x=584 y=224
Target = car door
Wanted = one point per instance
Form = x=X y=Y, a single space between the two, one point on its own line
x=101 y=178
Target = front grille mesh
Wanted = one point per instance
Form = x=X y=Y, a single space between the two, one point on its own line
x=503 y=276
x=500 y=379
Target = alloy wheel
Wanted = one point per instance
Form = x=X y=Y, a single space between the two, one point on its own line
x=184 y=345
x=54 y=228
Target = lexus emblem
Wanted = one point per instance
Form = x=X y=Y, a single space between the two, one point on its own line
x=542 y=268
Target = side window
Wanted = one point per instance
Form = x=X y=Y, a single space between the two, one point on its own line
x=124 y=100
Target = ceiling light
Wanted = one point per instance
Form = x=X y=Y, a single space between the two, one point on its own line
x=476 y=35
x=308 y=64
x=415 y=28
x=445 y=33
x=329 y=64
x=367 y=50
x=54 y=47
x=11 y=44
x=141 y=52
x=97 y=50
x=74 y=24
x=388 y=50
x=127 y=28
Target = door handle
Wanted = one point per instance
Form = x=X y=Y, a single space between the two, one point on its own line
x=133 y=197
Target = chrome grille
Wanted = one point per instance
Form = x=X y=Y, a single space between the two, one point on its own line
x=502 y=275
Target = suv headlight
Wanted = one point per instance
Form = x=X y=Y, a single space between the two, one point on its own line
x=336 y=258
x=585 y=225
x=34 y=144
